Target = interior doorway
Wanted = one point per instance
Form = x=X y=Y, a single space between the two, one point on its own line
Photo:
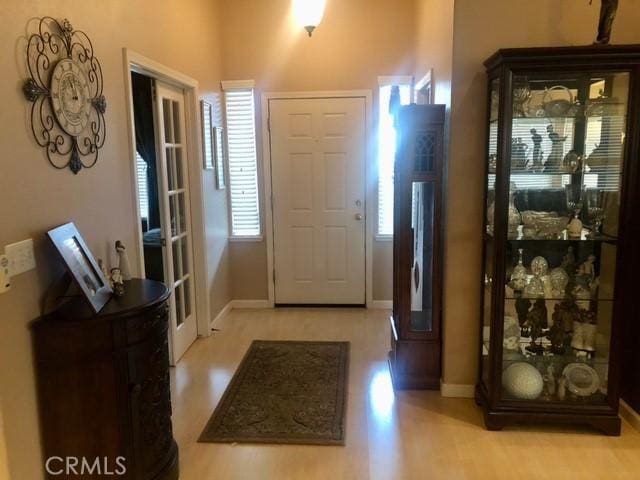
x=318 y=178
x=168 y=195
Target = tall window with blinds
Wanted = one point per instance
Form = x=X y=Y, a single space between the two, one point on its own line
x=241 y=145
x=386 y=155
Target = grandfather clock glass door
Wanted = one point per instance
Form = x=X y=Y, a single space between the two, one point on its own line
x=176 y=216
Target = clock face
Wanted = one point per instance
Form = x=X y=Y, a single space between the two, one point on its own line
x=70 y=96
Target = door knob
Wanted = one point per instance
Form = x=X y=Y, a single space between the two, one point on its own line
x=358 y=216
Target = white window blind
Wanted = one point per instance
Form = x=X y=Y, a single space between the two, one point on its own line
x=386 y=155
x=243 y=174
x=143 y=190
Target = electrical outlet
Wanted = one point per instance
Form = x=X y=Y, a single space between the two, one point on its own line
x=21 y=257
x=5 y=278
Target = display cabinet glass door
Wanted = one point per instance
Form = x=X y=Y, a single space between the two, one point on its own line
x=567 y=139
x=492 y=161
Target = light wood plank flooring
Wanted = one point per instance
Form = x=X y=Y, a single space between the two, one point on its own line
x=404 y=435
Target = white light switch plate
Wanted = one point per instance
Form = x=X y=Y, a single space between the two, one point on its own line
x=21 y=257
x=5 y=278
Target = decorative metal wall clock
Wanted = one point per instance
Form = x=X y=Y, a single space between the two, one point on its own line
x=65 y=89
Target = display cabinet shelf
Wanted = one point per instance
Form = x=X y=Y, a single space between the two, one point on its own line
x=563 y=143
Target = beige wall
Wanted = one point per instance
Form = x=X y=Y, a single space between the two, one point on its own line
x=356 y=41
x=434 y=45
x=35 y=197
x=480 y=29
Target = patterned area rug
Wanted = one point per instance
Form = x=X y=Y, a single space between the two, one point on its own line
x=285 y=392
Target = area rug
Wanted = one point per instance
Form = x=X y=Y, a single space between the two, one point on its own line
x=285 y=392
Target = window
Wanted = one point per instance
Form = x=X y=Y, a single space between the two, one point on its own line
x=243 y=171
x=143 y=190
x=387 y=149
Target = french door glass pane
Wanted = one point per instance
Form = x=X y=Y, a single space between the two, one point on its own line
x=179 y=168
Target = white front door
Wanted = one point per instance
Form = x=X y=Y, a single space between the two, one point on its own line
x=174 y=193
x=318 y=149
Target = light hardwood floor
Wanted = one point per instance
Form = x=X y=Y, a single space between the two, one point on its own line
x=403 y=435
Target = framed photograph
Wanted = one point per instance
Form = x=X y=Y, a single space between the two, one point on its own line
x=81 y=264
x=207 y=137
x=424 y=93
x=219 y=156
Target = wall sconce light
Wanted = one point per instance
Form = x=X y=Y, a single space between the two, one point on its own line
x=308 y=13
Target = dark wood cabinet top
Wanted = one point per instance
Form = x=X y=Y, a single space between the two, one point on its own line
x=140 y=294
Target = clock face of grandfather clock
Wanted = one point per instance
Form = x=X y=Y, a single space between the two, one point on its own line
x=70 y=96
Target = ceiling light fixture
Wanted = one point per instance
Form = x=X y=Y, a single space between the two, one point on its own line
x=308 y=13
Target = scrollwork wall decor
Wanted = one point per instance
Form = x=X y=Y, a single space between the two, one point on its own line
x=65 y=89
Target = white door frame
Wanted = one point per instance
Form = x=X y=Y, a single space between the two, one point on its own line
x=370 y=179
x=139 y=63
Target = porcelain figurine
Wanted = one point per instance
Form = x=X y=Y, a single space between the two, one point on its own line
x=123 y=261
x=583 y=296
x=550 y=381
x=562 y=388
x=117 y=282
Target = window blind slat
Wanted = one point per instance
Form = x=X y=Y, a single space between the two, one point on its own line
x=243 y=174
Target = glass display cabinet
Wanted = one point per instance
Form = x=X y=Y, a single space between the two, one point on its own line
x=561 y=166
x=414 y=359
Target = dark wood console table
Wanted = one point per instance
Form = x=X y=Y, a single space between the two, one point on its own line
x=103 y=384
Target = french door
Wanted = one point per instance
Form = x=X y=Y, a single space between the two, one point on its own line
x=173 y=178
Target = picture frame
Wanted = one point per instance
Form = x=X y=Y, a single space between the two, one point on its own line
x=206 y=110
x=219 y=151
x=424 y=92
x=82 y=265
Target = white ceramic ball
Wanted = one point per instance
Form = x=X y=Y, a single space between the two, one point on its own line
x=522 y=380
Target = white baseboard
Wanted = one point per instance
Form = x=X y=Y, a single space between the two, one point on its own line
x=630 y=415
x=225 y=310
x=381 y=304
x=457 y=390
x=251 y=304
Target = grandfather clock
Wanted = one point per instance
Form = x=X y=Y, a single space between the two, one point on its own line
x=414 y=358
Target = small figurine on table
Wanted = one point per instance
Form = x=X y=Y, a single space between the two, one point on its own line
x=117 y=283
x=123 y=261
